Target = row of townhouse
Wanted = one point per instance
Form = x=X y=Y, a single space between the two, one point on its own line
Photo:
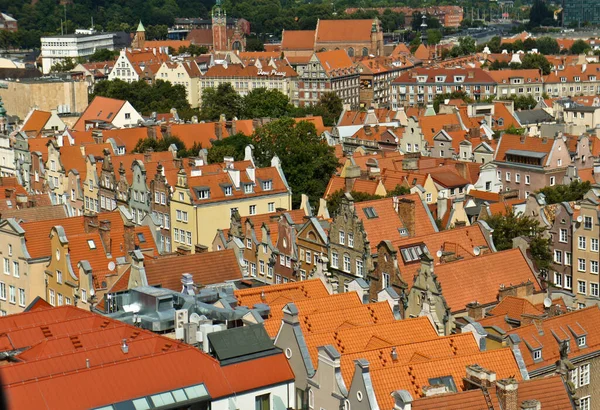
x=371 y=364
x=420 y=85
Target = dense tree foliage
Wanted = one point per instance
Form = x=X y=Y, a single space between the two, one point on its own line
x=540 y=14
x=262 y=102
x=440 y=98
x=161 y=96
x=163 y=144
x=510 y=225
x=307 y=161
x=565 y=193
x=523 y=102
x=103 y=55
x=528 y=61
x=221 y=100
x=233 y=146
x=580 y=47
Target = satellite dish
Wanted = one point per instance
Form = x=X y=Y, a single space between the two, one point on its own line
x=547 y=302
x=195 y=318
x=439 y=253
x=477 y=251
x=579 y=218
x=111 y=266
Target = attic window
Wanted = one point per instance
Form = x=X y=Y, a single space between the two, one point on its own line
x=267 y=185
x=91 y=244
x=403 y=231
x=203 y=193
x=413 y=253
x=109 y=115
x=447 y=381
x=141 y=237
x=581 y=342
x=537 y=355
x=370 y=212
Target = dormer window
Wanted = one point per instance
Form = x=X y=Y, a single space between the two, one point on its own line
x=581 y=341
x=440 y=79
x=537 y=355
x=248 y=189
x=563 y=79
x=459 y=78
x=577 y=79
x=267 y=185
x=228 y=190
x=203 y=193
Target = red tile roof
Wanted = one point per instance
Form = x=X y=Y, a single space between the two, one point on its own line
x=36 y=122
x=298 y=40
x=344 y=31
x=282 y=293
x=567 y=326
x=336 y=63
x=207 y=268
x=486 y=274
x=522 y=143
x=101 y=108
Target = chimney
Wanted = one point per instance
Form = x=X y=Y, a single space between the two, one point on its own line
x=183 y=251
x=531 y=405
x=410 y=163
x=506 y=390
x=228 y=162
x=187 y=282
x=148 y=156
x=478 y=377
x=128 y=238
x=349 y=184
x=200 y=248
x=434 y=390
x=90 y=223
x=219 y=130
x=367 y=129
x=475 y=310
x=406 y=212
x=474 y=132
x=104 y=230
x=521 y=290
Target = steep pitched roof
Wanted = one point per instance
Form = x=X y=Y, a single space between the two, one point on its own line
x=101 y=108
x=522 y=143
x=282 y=293
x=298 y=39
x=36 y=121
x=486 y=274
x=206 y=268
x=414 y=376
x=345 y=31
x=569 y=326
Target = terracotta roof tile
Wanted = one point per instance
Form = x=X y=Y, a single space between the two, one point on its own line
x=415 y=376
x=207 y=268
x=333 y=320
x=336 y=61
x=37 y=213
x=101 y=108
x=567 y=326
x=35 y=122
x=282 y=293
x=344 y=31
x=431 y=125
x=298 y=39
x=517 y=142
x=486 y=274
x=514 y=307
x=484 y=195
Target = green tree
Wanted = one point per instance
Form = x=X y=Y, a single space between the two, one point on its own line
x=254 y=44
x=307 y=161
x=63 y=67
x=433 y=36
x=192 y=50
x=509 y=226
x=467 y=45
x=536 y=61
x=329 y=107
x=523 y=102
x=539 y=14
x=440 y=98
x=580 y=47
x=548 y=46
x=103 y=54
x=232 y=146
x=495 y=44
x=222 y=100
x=565 y=193
x=415 y=43
x=263 y=103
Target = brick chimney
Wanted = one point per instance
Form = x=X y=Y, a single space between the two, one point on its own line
x=200 y=248
x=128 y=238
x=521 y=290
x=90 y=223
x=474 y=132
x=475 y=310
x=406 y=212
x=531 y=405
x=478 y=377
x=104 y=231
x=506 y=390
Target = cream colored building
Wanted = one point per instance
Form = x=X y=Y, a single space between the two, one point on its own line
x=203 y=202
x=46 y=94
x=22 y=276
x=585 y=259
x=185 y=73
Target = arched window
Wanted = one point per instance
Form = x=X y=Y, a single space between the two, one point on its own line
x=365 y=51
x=237 y=45
x=311 y=399
x=351 y=52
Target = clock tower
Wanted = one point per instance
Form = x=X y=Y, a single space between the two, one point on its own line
x=219 y=27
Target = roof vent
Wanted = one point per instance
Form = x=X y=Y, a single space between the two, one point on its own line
x=125 y=346
x=394 y=354
x=87 y=363
x=262 y=295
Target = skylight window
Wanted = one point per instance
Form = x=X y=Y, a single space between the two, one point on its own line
x=91 y=244
x=412 y=253
x=370 y=212
x=141 y=237
x=447 y=381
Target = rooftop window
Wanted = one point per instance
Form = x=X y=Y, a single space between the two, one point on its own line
x=370 y=212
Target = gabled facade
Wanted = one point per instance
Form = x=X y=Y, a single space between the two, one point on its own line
x=586 y=254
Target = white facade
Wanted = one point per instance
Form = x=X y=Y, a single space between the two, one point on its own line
x=123 y=69
x=281 y=397
x=59 y=49
x=7 y=157
x=126 y=117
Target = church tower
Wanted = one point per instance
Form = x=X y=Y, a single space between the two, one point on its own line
x=219 y=27
x=139 y=39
